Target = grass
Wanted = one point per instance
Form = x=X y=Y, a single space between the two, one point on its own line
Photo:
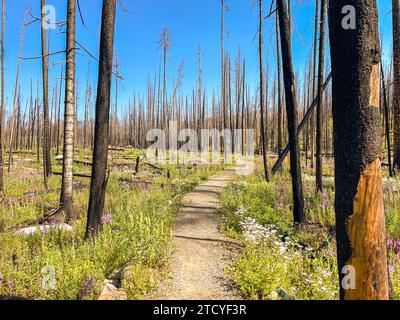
x=280 y=262
x=60 y=265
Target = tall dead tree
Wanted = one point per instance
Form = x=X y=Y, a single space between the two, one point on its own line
x=59 y=114
x=87 y=102
x=321 y=65
x=165 y=43
x=223 y=90
x=15 y=96
x=291 y=111
x=2 y=107
x=69 y=114
x=101 y=138
x=314 y=81
x=396 y=83
x=387 y=124
x=45 y=83
x=261 y=70
x=360 y=215
x=37 y=123
x=278 y=59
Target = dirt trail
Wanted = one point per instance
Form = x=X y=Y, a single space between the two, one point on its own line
x=201 y=252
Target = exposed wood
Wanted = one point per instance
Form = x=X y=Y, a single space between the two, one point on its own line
x=359 y=207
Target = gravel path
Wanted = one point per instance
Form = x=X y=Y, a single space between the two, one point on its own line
x=201 y=252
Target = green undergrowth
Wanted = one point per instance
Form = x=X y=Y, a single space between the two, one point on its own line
x=59 y=264
x=281 y=262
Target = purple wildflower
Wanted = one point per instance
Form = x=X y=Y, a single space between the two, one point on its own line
x=327 y=201
x=394 y=245
x=88 y=285
x=106 y=218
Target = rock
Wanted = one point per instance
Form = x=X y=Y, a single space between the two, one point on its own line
x=110 y=292
x=43 y=229
x=59 y=157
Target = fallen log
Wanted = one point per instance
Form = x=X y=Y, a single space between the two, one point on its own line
x=85 y=163
x=78 y=175
x=43 y=229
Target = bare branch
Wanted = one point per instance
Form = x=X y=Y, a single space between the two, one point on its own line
x=95 y=58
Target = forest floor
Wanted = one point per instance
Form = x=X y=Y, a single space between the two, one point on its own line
x=181 y=232
x=202 y=253
x=136 y=235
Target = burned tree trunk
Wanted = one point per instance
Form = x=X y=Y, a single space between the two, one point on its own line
x=262 y=123
x=59 y=114
x=2 y=108
x=101 y=139
x=278 y=59
x=318 y=173
x=291 y=110
x=45 y=79
x=314 y=82
x=360 y=216
x=387 y=124
x=396 y=83
x=68 y=151
x=15 y=97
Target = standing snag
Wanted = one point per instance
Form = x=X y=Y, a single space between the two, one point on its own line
x=263 y=130
x=321 y=62
x=45 y=83
x=3 y=10
x=101 y=137
x=396 y=83
x=360 y=216
x=291 y=110
x=69 y=115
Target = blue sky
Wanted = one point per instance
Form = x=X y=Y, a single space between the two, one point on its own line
x=191 y=23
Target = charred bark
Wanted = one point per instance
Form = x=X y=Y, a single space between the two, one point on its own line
x=101 y=138
x=360 y=217
x=291 y=110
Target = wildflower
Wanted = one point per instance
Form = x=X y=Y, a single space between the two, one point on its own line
x=87 y=286
x=282 y=250
x=327 y=202
x=106 y=218
x=240 y=212
x=392 y=267
x=10 y=285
